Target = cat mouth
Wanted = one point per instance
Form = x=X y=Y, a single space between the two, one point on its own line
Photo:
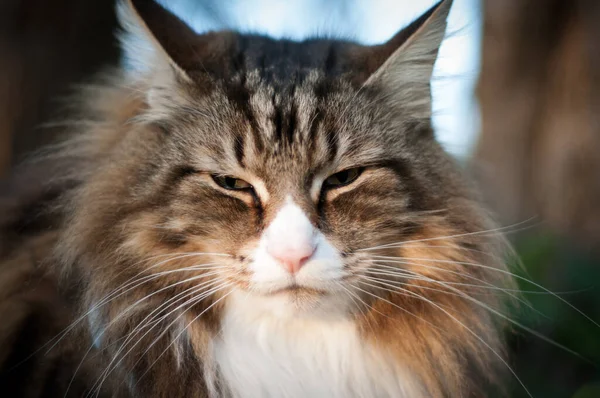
x=296 y=289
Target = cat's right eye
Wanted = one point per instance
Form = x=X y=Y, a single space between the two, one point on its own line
x=231 y=183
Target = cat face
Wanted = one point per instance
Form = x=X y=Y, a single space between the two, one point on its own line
x=294 y=188
x=288 y=161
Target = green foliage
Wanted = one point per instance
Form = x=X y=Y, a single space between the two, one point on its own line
x=588 y=391
x=547 y=370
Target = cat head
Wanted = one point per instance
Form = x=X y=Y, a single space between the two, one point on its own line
x=289 y=158
x=303 y=175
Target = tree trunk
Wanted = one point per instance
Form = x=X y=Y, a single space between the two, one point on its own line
x=45 y=47
x=539 y=152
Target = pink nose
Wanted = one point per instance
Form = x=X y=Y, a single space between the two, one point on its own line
x=292 y=258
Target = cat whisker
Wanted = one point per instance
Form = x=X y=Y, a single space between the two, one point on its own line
x=412 y=276
x=197 y=293
x=133 y=281
x=122 y=314
x=154 y=314
x=455 y=247
x=460 y=293
x=395 y=305
x=487 y=267
x=493 y=231
x=420 y=297
x=170 y=286
x=461 y=275
x=151 y=317
x=365 y=307
x=189 y=303
x=487 y=286
x=356 y=299
x=174 y=257
x=415 y=276
x=114 y=295
x=180 y=333
x=54 y=341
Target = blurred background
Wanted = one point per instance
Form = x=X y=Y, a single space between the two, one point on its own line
x=516 y=101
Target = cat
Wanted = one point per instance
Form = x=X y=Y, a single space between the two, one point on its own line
x=238 y=216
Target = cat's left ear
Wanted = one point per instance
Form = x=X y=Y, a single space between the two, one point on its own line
x=403 y=66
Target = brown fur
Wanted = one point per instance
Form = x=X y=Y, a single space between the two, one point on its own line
x=134 y=195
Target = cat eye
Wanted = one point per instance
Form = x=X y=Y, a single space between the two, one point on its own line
x=231 y=183
x=344 y=177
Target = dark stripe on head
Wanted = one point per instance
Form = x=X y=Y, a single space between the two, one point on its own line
x=277 y=119
x=239 y=96
x=323 y=89
x=178 y=173
x=332 y=141
x=292 y=121
x=165 y=192
x=238 y=146
x=417 y=199
x=260 y=214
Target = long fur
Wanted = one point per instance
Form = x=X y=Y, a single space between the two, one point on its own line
x=151 y=259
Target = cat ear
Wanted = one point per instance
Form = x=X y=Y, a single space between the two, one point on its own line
x=154 y=38
x=403 y=66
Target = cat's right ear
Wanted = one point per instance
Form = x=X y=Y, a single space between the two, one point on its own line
x=154 y=39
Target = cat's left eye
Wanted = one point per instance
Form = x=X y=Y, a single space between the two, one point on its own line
x=231 y=183
x=342 y=178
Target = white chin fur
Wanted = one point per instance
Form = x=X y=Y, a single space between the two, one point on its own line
x=261 y=354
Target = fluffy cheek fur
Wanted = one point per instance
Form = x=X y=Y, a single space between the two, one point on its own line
x=412 y=291
x=143 y=269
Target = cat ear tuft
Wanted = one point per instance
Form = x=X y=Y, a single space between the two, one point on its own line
x=403 y=66
x=154 y=38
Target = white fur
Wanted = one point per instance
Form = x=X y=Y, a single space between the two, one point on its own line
x=291 y=229
x=261 y=354
x=141 y=52
x=144 y=59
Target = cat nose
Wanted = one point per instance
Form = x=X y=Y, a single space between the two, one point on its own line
x=292 y=258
